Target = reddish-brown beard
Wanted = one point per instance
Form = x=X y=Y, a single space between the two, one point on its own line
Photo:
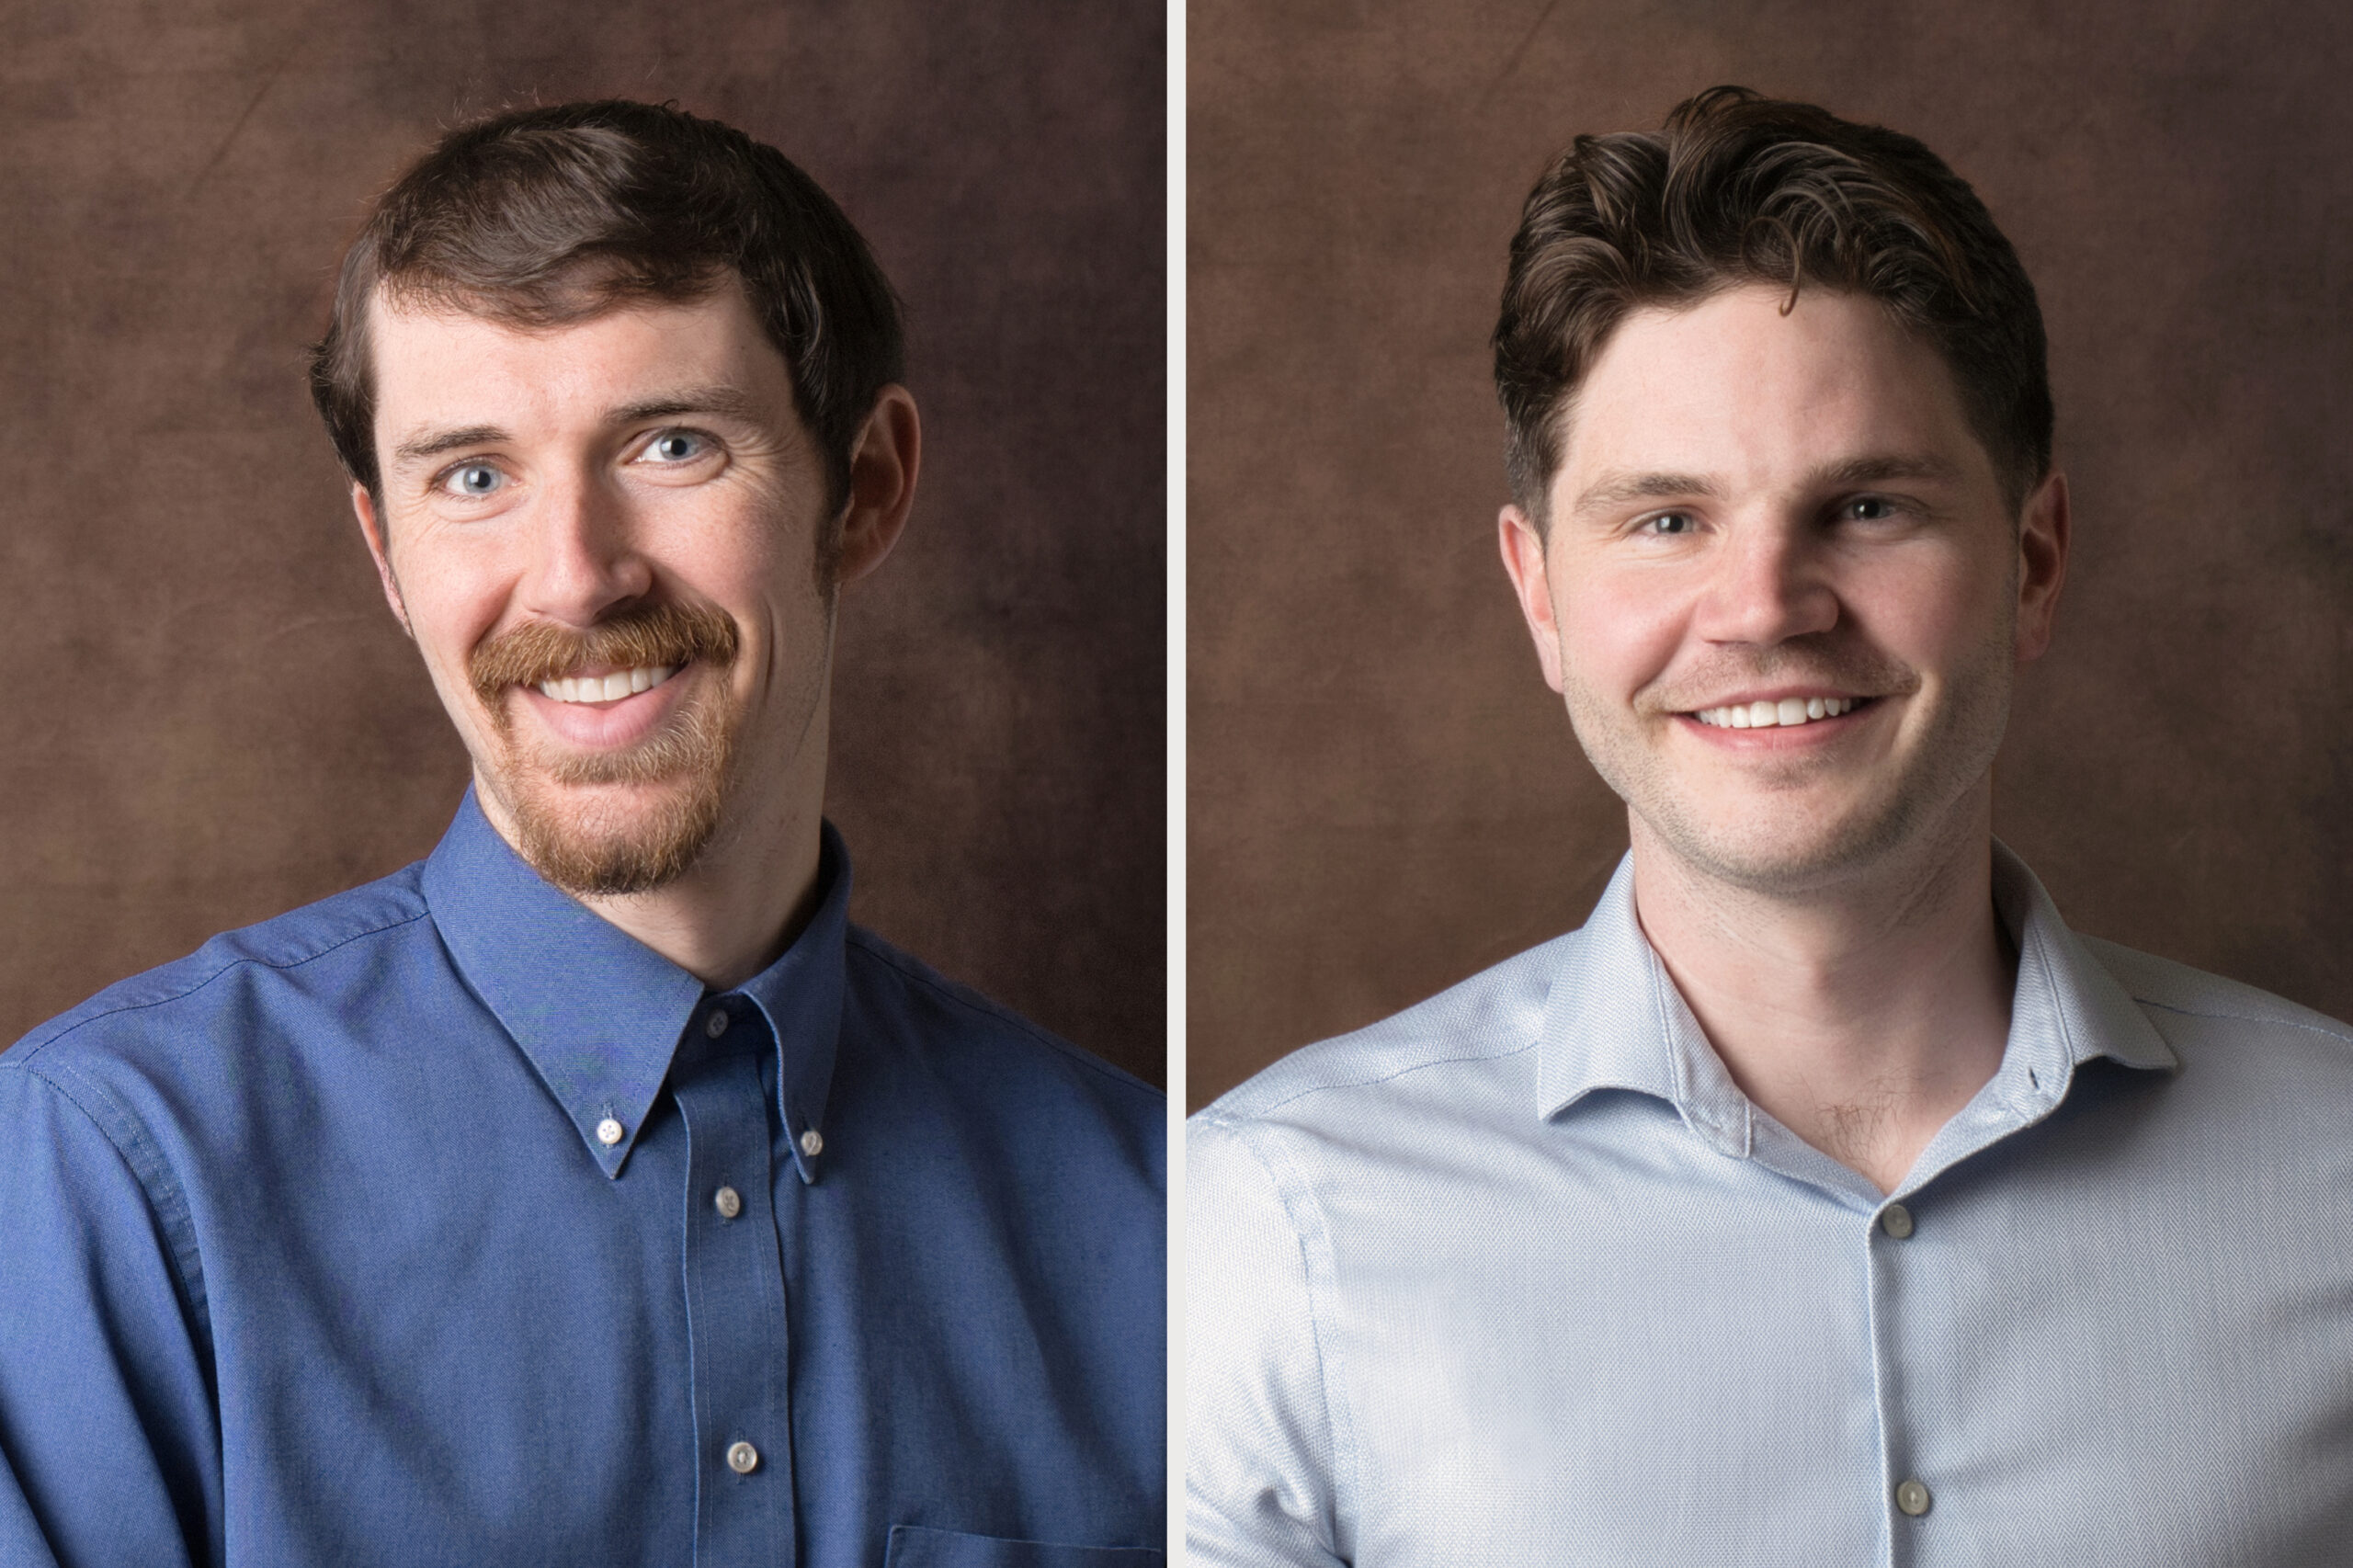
x=587 y=846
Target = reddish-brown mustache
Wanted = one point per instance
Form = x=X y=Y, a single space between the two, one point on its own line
x=653 y=634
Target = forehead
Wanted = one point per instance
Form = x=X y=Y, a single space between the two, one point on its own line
x=1742 y=385
x=438 y=367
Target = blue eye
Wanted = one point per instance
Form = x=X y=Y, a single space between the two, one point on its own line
x=473 y=479
x=675 y=446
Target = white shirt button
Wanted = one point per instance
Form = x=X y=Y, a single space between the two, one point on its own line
x=715 y=1024
x=729 y=1202
x=608 y=1132
x=744 y=1459
x=1896 y=1220
x=811 y=1144
x=1912 y=1496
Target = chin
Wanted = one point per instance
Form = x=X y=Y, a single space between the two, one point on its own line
x=1770 y=862
x=599 y=849
x=629 y=822
x=1788 y=847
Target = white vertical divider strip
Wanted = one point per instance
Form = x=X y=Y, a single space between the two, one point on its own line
x=1175 y=756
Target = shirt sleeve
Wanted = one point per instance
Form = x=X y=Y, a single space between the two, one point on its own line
x=1261 y=1453
x=110 y=1445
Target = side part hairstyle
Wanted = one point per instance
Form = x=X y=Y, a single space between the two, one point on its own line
x=545 y=216
x=1743 y=189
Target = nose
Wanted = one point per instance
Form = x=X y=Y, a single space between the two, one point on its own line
x=1766 y=584
x=583 y=556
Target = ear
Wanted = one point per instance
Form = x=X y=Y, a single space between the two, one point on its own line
x=1523 y=549
x=883 y=462
x=363 y=506
x=2043 y=526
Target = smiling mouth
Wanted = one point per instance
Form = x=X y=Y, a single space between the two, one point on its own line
x=609 y=687
x=1788 y=710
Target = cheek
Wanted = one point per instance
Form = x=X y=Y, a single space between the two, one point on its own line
x=733 y=548
x=1928 y=609
x=454 y=599
x=1620 y=629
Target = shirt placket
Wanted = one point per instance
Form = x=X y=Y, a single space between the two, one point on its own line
x=1907 y=1498
x=734 y=1285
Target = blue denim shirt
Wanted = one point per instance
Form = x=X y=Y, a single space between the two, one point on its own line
x=444 y=1223
x=1520 y=1277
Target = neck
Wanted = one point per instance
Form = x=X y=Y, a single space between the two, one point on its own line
x=736 y=910
x=1861 y=1016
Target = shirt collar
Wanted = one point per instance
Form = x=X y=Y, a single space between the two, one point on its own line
x=599 y=1014
x=1614 y=1019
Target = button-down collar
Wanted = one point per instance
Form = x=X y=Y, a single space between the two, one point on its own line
x=599 y=1014
x=1600 y=1032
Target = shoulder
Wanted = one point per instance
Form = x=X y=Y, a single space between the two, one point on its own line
x=2189 y=1005
x=988 y=1049
x=1470 y=1041
x=222 y=988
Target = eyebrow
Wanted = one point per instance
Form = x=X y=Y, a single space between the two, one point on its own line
x=1616 y=489
x=723 y=400
x=1877 y=470
x=433 y=443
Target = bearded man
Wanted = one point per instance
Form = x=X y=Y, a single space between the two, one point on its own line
x=1823 y=1200
x=590 y=1191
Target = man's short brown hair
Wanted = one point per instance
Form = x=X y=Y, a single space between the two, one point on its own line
x=1739 y=190
x=544 y=216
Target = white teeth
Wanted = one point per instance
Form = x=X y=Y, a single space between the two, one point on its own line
x=607 y=688
x=1769 y=715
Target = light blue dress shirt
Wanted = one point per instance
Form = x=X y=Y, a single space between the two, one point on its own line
x=1519 y=1276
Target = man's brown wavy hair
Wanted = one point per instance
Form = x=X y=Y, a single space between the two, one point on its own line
x=1743 y=189
x=544 y=216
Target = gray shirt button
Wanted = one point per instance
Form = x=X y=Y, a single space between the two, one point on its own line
x=813 y=1144
x=715 y=1024
x=744 y=1459
x=729 y=1201
x=1912 y=1496
x=1896 y=1220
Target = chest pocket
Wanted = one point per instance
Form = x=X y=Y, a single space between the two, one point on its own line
x=914 y=1546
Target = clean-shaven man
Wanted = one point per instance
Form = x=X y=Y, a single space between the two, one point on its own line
x=590 y=1192
x=1823 y=1200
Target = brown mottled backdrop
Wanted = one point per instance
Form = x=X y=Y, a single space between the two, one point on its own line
x=213 y=717
x=1384 y=796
